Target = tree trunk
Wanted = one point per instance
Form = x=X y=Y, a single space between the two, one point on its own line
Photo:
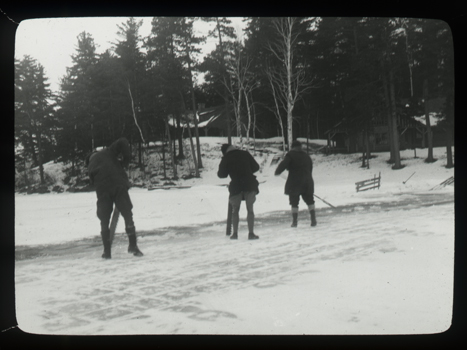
x=238 y=114
x=198 y=145
x=193 y=153
x=195 y=120
x=249 y=118
x=134 y=112
x=282 y=134
x=290 y=104
x=140 y=155
x=39 y=153
x=92 y=137
x=395 y=134
x=227 y=115
x=450 y=128
x=277 y=110
x=254 y=128
x=367 y=145
x=26 y=177
x=317 y=125
x=163 y=156
x=363 y=148
x=389 y=114
x=226 y=99
x=172 y=152
x=179 y=137
x=33 y=151
x=429 y=133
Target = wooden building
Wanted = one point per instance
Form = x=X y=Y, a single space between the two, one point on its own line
x=347 y=136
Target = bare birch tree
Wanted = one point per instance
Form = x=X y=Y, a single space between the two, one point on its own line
x=240 y=85
x=289 y=79
x=277 y=102
x=232 y=83
x=248 y=88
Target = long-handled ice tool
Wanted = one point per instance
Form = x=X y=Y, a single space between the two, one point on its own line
x=113 y=223
x=408 y=178
x=285 y=178
x=228 y=230
x=324 y=201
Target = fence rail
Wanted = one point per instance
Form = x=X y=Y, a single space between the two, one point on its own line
x=369 y=184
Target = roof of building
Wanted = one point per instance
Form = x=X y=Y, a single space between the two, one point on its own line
x=213 y=117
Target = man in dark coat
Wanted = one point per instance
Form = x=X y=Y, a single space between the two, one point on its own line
x=299 y=181
x=107 y=173
x=240 y=166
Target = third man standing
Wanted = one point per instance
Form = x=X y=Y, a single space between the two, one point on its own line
x=299 y=181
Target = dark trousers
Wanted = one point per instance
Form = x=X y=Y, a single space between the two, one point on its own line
x=306 y=196
x=105 y=202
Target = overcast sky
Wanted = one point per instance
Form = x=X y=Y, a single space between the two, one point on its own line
x=52 y=41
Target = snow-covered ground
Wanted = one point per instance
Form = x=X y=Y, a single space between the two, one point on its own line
x=369 y=267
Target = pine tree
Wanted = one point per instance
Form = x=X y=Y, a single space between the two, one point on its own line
x=111 y=101
x=133 y=75
x=33 y=112
x=222 y=31
x=77 y=103
x=190 y=42
x=164 y=52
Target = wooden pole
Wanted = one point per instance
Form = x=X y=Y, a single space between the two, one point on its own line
x=228 y=230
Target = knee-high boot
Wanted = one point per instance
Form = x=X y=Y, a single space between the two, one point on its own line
x=294 y=217
x=312 y=214
x=132 y=246
x=105 y=234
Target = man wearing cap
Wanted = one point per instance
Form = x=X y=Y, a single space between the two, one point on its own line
x=299 y=181
x=240 y=166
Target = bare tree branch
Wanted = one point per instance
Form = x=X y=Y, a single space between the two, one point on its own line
x=134 y=114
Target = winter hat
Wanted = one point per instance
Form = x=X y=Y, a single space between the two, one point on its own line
x=224 y=148
x=296 y=143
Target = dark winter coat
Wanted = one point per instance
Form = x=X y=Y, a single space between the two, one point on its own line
x=105 y=167
x=300 y=168
x=240 y=166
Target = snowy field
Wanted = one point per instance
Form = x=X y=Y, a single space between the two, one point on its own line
x=380 y=262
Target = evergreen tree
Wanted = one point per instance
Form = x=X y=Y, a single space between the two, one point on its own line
x=445 y=65
x=222 y=31
x=133 y=76
x=78 y=104
x=34 y=119
x=164 y=52
x=112 y=101
x=190 y=45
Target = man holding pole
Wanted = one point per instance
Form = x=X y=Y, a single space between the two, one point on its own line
x=107 y=174
x=240 y=166
x=299 y=181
